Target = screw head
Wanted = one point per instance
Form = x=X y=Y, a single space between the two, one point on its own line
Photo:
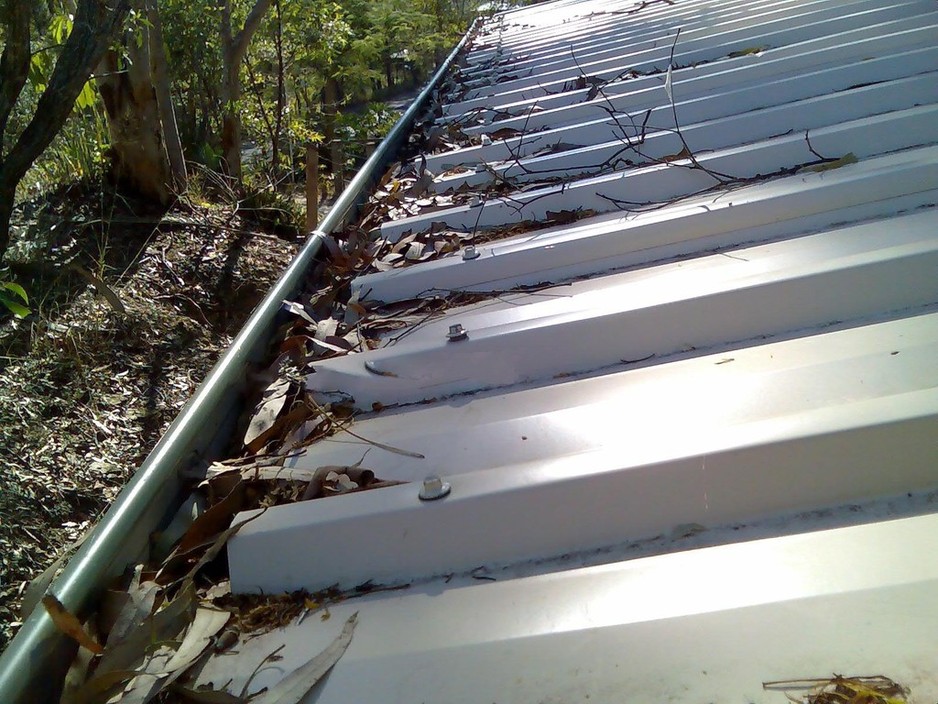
x=457 y=332
x=470 y=252
x=434 y=488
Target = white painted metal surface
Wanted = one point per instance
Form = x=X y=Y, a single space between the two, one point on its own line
x=737 y=340
x=703 y=625
x=615 y=469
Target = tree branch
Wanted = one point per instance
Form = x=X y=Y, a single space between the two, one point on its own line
x=93 y=29
x=239 y=45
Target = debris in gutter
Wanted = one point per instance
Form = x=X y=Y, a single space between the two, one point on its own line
x=876 y=689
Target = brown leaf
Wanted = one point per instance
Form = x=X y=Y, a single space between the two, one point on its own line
x=562 y=217
x=683 y=154
x=295 y=345
x=505 y=133
x=281 y=426
x=69 y=624
x=214 y=520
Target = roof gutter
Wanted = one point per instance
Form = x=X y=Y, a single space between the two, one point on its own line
x=34 y=664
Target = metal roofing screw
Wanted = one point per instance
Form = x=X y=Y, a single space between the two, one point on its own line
x=434 y=488
x=470 y=252
x=457 y=332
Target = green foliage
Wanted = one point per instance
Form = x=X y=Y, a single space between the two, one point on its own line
x=12 y=297
x=43 y=60
x=371 y=47
x=77 y=150
x=76 y=154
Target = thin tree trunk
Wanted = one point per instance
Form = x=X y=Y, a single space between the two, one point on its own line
x=281 y=98
x=233 y=49
x=164 y=98
x=312 y=187
x=261 y=108
x=330 y=101
x=14 y=63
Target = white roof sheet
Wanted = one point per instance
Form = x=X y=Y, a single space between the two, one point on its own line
x=727 y=332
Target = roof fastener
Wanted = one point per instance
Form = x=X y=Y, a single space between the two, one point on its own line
x=434 y=488
x=470 y=252
x=457 y=332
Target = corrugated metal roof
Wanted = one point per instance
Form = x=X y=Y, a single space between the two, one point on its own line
x=684 y=264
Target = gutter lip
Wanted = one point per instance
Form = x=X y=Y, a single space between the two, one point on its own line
x=34 y=663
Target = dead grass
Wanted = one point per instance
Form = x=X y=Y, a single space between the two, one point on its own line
x=86 y=391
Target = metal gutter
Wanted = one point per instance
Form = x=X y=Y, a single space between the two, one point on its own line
x=33 y=665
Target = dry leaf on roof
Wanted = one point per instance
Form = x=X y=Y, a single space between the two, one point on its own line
x=557 y=148
x=138 y=657
x=685 y=153
x=138 y=605
x=297 y=684
x=748 y=51
x=565 y=217
x=846 y=159
x=206 y=624
x=266 y=412
x=876 y=689
x=505 y=133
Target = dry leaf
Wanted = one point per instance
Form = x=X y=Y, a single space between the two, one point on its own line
x=205 y=625
x=683 y=154
x=69 y=624
x=297 y=684
x=752 y=50
x=848 y=158
x=266 y=412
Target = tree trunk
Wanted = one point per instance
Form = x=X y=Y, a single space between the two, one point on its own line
x=95 y=25
x=138 y=153
x=14 y=63
x=146 y=152
x=233 y=50
x=7 y=195
x=281 y=98
x=330 y=102
x=164 y=99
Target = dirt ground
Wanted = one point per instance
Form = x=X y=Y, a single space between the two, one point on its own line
x=131 y=308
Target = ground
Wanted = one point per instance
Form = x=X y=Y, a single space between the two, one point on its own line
x=131 y=308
